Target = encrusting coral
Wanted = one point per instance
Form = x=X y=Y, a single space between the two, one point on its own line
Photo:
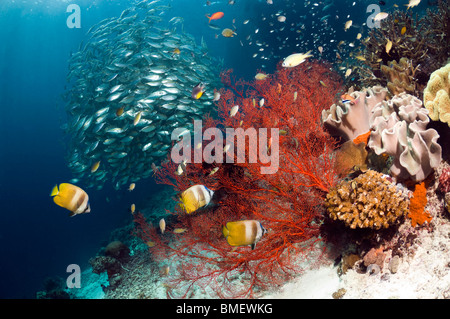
x=436 y=96
x=399 y=129
x=370 y=200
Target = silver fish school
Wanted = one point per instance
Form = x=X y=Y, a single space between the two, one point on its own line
x=213 y=151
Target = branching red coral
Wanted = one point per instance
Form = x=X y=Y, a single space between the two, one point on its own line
x=288 y=202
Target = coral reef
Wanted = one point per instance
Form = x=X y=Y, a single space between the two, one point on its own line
x=399 y=128
x=368 y=201
x=374 y=257
x=287 y=202
x=53 y=289
x=436 y=96
x=117 y=250
x=419 y=47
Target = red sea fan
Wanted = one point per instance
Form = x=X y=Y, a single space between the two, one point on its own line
x=286 y=198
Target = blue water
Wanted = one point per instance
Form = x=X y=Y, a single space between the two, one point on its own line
x=37 y=238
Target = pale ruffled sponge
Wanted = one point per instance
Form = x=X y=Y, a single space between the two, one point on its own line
x=399 y=129
x=351 y=120
x=436 y=95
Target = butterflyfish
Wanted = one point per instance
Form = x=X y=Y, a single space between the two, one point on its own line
x=131 y=187
x=195 y=197
x=243 y=232
x=72 y=198
x=198 y=91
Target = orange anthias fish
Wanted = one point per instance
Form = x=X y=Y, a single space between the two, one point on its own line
x=216 y=16
x=347 y=98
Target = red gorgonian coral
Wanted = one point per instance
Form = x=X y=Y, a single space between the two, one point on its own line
x=287 y=202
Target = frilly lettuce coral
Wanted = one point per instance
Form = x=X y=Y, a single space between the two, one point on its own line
x=370 y=200
x=351 y=120
x=399 y=129
x=436 y=95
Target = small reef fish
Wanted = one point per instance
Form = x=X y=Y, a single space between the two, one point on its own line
x=181 y=169
x=380 y=16
x=322 y=83
x=72 y=198
x=320 y=49
x=162 y=225
x=360 y=58
x=214 y=170
x=358 y=36
x=281 y=19
x=95 y=167
x=132 y=208
x=215 y=16
x=295 y=59
x=119 y=111
x=403 y=31
x=228 y=33
x=388 y=46
x=348 y=24
x=412 y=3
x=131 y=187
x=261 y=76
x=216 y=96
x=198 y=91
x=179 y=230
x=348 y=72
x=137 y=118
x=347 y=98
x=234 y=110
x=195 y=197
x=150 y=244
x=243 y=233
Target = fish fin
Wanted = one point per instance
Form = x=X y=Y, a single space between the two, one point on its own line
x=54 y=191
x=71 y=214
x=225 y=231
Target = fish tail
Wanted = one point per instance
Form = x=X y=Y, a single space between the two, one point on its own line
x=225 y=231
x=54 y=191
x=208 y=18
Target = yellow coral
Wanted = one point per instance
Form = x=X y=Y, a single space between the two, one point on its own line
x=368 y=201
x=436 y=95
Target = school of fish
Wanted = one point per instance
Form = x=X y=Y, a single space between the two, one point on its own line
x=130 y=85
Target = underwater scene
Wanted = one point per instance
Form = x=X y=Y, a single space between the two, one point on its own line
x=225 y=149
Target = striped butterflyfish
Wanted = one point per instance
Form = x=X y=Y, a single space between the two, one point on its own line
x=195 y=197
x=71 y=197
x=243 y=232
